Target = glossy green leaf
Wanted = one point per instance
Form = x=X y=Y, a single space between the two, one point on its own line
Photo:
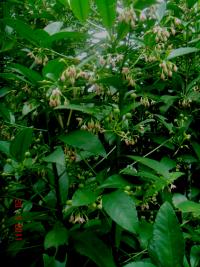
x=139 y=264
x=20 y=144
x=107 y=10
x=182 y=51
x=30 y=74
x=56 y=237
x=50 y=261
x=187 y=206
x=83 y=108
x=141 y=4
x=191 y=3
x=88 y=244
x=66 y=36
x=195 y=256
x=26 y=32
x=5 y=147
x=56 y=157
x=4 y=91
x=121 y=208
x=29 y=107
x=114 y=181
x=166 y=247
x=53 y=69
x=145 y=233
x=157 y=166
x=6 y=114
x=80 y=9
x=63 y=182
x=196 y=148
x=84 y=140
x=84 y=197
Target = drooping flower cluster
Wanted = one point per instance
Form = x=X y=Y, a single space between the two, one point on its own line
x=162 y=34
x=55 y=98
x=128 y=76
x=40 y=58
x=70 y=73
x=167 y=69
x=128 y=16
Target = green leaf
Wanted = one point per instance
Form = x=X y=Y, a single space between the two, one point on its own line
x=145 y=233
x=181 y=203
x=4 y=91
x=166 y=247
x=121 y=208
x=88 y=244
x=21 y=143
x=84 y=140
x=157 y=166
x=26 y=31
x=82 y=107
x=29 y=107
x=139 y=264
x=107 y=10
x=114 y=181
x=56 y=157
x=50 y=261
x=63 y=182
x=191 y=3
x=75 y=36
x=122 y=30
x=32 y=75
x=6 y=114
x=5 y=147
x=141 y=4
x=84 y=197
x=182 y=51
x=195 y=256
x=53 y=69
x=80 y=9
x=196 y=148
x=56 y=237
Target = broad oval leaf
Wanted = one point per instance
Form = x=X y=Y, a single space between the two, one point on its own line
x=5 y=147
x=53 y=69
x=80 y=9
x=83 y=197
x=195 y=256
x=121 y=208
x=88 y=244
x=107 y=10
x=157 y=166
x=166 y=247
x=56 y=237
x=31 y=75
x=57 y=156
x=182 y=51
x=139 y=264
x=21 y=144
x=114 y=181
x=86 y=141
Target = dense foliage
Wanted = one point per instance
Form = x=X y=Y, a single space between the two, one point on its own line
x=99 y=133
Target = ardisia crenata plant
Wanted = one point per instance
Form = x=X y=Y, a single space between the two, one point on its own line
x=99 y=133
